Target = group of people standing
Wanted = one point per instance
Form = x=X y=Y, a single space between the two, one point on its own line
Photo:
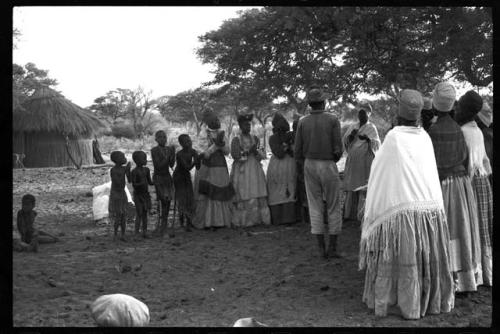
x=427 y=221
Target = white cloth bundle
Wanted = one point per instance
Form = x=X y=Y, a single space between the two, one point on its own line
x=101 y=199
x=119 y=310
x=248 y=322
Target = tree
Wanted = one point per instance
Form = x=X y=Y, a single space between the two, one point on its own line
x=270 y=49
x=25 y=80
x=348 y=50
x=133 y=104
x=186 y=106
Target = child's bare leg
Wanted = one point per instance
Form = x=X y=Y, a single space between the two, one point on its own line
x=46 y=238
x=123 y=225
x=165 y=208
x=144 y=223
x=137 y=220
x=116 y=224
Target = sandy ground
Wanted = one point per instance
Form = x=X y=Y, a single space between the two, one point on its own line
x=202 y=278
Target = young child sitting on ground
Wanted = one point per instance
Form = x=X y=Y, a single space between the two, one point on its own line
x=187 y=158
x=141 y=178
x=118 y=202
x=30 y=237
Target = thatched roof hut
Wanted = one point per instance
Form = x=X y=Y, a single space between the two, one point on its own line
x=52 y=131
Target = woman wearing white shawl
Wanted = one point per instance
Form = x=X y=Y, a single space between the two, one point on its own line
x=405 y=239
x=479 y=169
x=360 y=141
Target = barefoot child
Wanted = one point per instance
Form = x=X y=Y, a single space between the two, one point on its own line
x=187 y=158
x=30 y=237
x=117 y=197
x=163 y=159
x=141 y=178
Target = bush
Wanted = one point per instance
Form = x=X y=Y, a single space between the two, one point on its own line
x=123 y=129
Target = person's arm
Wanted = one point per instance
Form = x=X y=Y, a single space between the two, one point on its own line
x=298 y=151
x=171 y=156
x=277 y=147
x=235 y=149
x=197 y=159
x=127 y=171
x=337 y=141
x=148 y=176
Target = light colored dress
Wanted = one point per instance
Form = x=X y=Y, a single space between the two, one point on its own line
x=360 y=154
x=249 y=181
x=480 y=170
x=213 y=191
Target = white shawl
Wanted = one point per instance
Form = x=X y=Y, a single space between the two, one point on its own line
x=478 y=160
x=403 y=177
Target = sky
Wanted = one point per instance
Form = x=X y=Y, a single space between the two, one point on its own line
x=92 y=50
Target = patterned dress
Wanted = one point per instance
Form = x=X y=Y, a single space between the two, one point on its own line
x=249 y=181
x=213 y=190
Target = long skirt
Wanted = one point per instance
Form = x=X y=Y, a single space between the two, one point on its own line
x=212 y=211
x=250 y=203
x=484 y=198
x=407 y=265
x=357 y=167
x=281 y=187
x=354 y=205
x=465 y=249
x=356 y=174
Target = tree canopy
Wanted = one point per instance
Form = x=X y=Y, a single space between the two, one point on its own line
x=348 y=50
x=25 y=80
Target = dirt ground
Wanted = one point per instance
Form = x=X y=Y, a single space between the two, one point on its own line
x=202 y=278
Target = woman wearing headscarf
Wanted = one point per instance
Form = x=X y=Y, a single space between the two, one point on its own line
x=427 y=116
x=484 y=120
x=247 y=177
x=281 y=173
x=479 y=169
x=361 y=141
x=460 y=206
x=213 y=189
x=404 y=238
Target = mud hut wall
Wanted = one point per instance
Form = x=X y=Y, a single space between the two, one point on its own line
x=18 y=142
x=44 y=149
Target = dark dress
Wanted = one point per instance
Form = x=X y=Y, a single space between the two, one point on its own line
x=118 y=202
x=281 y=180
x=25 y=221
x=184 y=194
x=163 y=160
x=141 y=178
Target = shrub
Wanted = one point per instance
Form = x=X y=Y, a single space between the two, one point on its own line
x=123 y=129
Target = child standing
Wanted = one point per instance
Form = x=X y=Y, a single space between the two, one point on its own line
x=31 y=237
x=118 y=202
x=187 y=158
x=163 y=159
x=141 y=178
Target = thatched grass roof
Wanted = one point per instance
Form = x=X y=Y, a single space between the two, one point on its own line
x=48 y=111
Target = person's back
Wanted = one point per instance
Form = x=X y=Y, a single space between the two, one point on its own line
x=319 y=137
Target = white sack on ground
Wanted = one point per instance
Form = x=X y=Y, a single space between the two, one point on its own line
x=101 y=199
x=119 y=310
